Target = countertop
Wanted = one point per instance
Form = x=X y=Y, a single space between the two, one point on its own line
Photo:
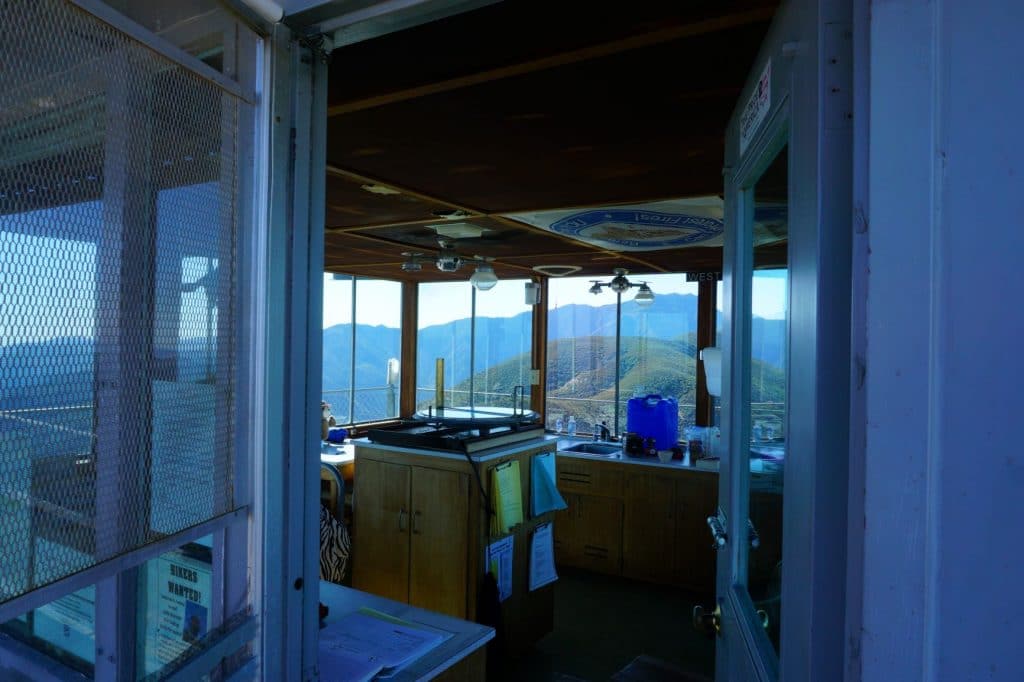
x=565 y=442
x=559 y=443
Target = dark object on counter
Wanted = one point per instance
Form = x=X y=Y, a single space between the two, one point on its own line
x=336 y=434
x=696 y=450
x=677 y=452
x=633 y=444
x=650 y=447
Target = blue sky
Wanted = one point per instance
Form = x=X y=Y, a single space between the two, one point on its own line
x=380 y=301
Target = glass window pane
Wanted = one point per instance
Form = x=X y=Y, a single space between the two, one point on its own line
x=443 y=331
x=769 y=295
x=659 y=346
x=337 y=340
x=503 y=344
x=175 y=606
x=378 y=349
x=580 y=355
x=64 y=629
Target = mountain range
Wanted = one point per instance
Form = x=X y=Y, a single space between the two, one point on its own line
x=672 y=317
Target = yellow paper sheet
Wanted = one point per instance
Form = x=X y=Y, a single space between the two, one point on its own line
x=507 y=498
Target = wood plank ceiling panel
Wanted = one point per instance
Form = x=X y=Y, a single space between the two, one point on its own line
x=568 y=105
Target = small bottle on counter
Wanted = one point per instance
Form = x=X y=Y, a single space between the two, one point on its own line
x=572 y=427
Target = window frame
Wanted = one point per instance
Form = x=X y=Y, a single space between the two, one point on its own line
x=707 y=317
x=352 y=389
x=474 y=292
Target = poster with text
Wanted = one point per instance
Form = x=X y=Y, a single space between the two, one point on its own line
x=177 y=603
x=69 y=623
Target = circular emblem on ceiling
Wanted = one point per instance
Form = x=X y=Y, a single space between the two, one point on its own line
x=633 y=228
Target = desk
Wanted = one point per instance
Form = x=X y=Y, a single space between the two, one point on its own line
x=462 y=657
x=341 y=457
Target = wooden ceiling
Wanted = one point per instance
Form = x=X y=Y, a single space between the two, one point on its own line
x=526 y=106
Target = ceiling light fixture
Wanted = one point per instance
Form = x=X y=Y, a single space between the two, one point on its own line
x=619 y=284
x=644 y=296
x=484 y=278
x=447 y=260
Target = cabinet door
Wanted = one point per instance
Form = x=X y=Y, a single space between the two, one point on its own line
x=649 y=527
x=380 y=556
x=567 y=541
x=599 y=532
x=695 y=555
x=440 y=541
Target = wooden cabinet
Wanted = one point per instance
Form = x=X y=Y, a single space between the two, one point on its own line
x=421 y=531
x=589 y=533
x=694 y=555
x=419 y=518
x=642 y=522
x=649 y=526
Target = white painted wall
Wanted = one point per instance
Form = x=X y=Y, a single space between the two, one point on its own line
x=944 y=470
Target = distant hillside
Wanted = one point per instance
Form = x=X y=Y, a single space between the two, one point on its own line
x=581 y=377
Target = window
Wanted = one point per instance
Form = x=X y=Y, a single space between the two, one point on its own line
x=502 y=344
x=361 y=361
x=657 y=350
x=484 y=339
x=122 y=244
x=65 y=629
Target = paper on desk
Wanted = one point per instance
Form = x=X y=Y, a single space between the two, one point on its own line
x=499 y=563
x=359 y=642
x=340 y=666
x=542 y=557
x=507 y=497
x=544 y=495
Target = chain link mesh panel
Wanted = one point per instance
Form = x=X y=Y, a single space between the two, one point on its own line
x=118 y=231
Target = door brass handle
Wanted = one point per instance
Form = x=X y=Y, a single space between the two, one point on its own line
x=401 y=519
x=415 y=523
x=708 y=623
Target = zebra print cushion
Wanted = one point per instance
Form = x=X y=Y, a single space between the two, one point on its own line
x=335 y=547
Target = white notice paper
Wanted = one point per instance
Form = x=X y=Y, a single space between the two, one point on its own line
x=499 y=562
x=374 y=643
x=542 y=557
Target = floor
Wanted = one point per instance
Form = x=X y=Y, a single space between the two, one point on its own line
x=603 y=623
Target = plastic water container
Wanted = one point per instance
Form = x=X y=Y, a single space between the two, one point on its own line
x=654 y=417
x=572 y=427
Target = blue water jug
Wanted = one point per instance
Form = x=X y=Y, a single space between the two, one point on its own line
x=654 y=417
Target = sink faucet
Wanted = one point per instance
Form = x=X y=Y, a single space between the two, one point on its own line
x=602 y=432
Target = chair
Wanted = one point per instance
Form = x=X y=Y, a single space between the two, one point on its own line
x=332 y=491
x=335 y=543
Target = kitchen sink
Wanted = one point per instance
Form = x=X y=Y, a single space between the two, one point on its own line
x=605 y=449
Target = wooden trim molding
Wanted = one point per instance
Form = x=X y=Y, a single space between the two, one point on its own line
x=410 y=314
x=540 y=348
x=707 y=293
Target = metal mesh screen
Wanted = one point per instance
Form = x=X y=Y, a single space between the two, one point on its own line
x=118 y=231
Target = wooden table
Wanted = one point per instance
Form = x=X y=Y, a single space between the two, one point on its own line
x=461 y=657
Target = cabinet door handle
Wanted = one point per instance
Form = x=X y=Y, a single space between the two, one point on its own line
x=416 y=523
x=401 y=519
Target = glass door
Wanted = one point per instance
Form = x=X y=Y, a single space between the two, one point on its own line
x=781 y=521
